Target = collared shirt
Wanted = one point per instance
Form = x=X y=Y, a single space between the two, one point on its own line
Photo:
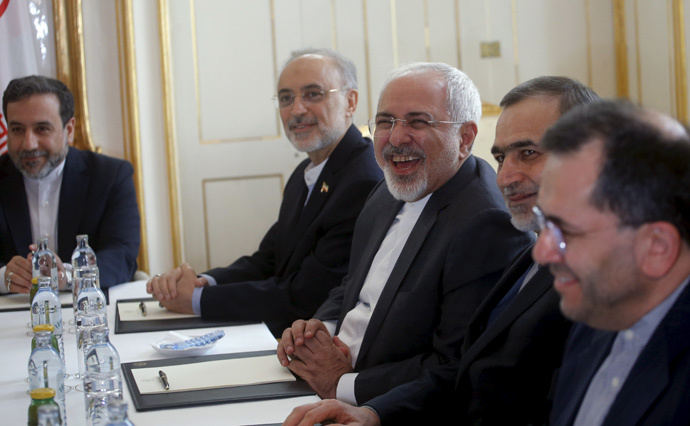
x=311 y=175
x=613 y=372
x=43 y=197
x=356 y=321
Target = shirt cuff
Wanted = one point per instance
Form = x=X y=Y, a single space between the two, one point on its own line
x=3 y=286
x=346 y=389
x=330 y=326
x=196 y=300
x=209 y=279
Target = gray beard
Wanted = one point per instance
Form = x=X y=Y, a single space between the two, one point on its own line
x=49 y=166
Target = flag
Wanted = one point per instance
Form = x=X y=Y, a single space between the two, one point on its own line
x=27 y=45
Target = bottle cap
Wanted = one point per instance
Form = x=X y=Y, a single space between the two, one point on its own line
x=44 y=327
x=42 y=393
x=34 y=280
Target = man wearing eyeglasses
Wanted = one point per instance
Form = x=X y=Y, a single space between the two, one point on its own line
x=429 y=245
x=306 y=252
x=515 y=339
x=614 y=206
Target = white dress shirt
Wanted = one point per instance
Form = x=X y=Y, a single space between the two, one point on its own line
x=356 y=321
x=43 y=197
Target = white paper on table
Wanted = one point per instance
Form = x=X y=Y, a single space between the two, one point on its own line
x=130 y=311
x=213 y=374
x=21 y=300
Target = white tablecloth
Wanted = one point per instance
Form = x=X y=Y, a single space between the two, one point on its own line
x=15 y=340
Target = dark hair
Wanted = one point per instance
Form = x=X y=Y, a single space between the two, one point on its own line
x=571 y=92
x=645 y=174
x=24 y=87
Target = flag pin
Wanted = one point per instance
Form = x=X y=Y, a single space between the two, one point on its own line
x=324 y=187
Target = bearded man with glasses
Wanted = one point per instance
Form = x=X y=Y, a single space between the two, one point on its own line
x=306 y=252
x=430 y=243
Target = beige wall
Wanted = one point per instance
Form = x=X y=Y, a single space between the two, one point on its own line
x=221 y=58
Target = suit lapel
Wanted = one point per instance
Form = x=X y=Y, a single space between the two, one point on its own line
x=16 y=207
x=75 y=184
x=578 y=369
x=302 y=216
x=388 y=209
x=438 y=201
x=477 y=337
x=653 y=370
x=414 y=242
x=291 y=210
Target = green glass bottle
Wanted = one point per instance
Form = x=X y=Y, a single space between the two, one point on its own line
x=40 y=396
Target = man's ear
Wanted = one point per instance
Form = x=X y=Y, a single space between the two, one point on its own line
x=69 y=128
x=352 y=97
x=468 y=132
x=657 y=247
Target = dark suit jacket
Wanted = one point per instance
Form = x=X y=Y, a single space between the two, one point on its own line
x=97 y=198
x=657 y=390
x=306 y=252
x=506 y=369
x=456 y=252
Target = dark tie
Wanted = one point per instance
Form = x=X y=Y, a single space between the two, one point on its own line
x=509 y=296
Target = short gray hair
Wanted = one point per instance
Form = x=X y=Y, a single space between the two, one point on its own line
x=463 y=102
x=346 y=68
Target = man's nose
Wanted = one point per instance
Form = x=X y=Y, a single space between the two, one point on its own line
x=509 y=172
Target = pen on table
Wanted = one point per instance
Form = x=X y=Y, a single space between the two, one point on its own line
x=142 y=308
x=164 y=379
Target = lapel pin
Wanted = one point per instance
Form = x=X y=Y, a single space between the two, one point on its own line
x=324 y=187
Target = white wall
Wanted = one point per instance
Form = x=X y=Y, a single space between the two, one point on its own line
x=240 y=45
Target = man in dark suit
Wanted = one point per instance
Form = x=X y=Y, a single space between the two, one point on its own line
x=429 y=245
x=50 y=188
x=614 y=206
x=515 y=340
x=306 y=252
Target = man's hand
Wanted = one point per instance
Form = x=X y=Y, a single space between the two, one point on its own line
x=321 y=361
x=165 y=286
x=295 y=336
x=62 y=275
x=332 y=411
x=182 y=300
x=19 y=272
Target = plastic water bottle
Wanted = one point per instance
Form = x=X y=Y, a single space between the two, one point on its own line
x=83 y=261
x=34 y=289
x=102 y=379
x=203 y=340
x=46 y=369
x=90 y=299
x=117 y=413
x=46 y=309
x=44 y=263
x=40 y=399
x=49 y=328
x=85 y=323
x=49 y=415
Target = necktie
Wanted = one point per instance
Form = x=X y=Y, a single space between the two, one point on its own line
x=509 y=296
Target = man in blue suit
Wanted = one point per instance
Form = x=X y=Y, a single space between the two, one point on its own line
x=614 y=207
x=48 y=187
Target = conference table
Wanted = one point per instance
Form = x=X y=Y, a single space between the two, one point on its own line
x=15 y=341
